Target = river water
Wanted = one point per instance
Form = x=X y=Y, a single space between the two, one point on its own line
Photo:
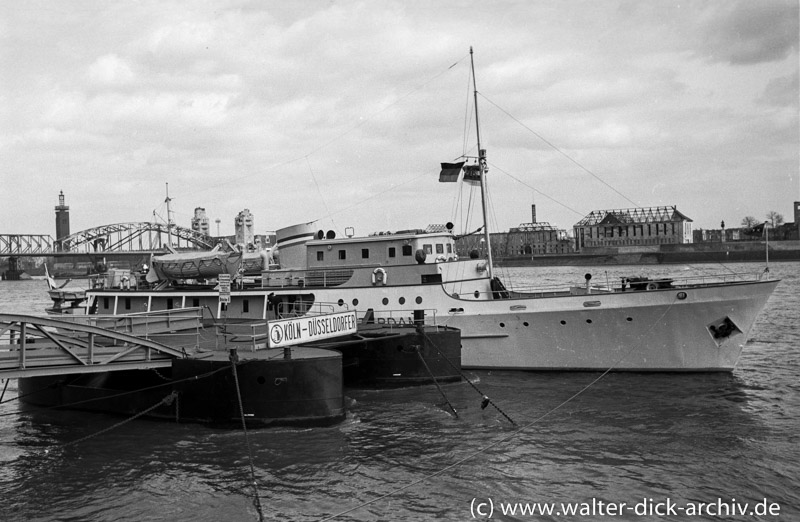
x=662 y=444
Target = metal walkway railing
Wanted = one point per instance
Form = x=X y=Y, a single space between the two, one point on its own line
x=32 y=346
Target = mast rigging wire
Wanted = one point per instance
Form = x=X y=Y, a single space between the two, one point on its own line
x=570 y=158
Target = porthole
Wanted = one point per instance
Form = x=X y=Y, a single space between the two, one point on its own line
x=418 y=300
x=340 y=302
x=477 y=294
x=681 y=295
x=261 y=380
x=502 y=325
x=355 y=302
x=563 y=322
x=402 y=300
x=629 y=319
x=385 y=301
x=525 y=323
x=588 y=321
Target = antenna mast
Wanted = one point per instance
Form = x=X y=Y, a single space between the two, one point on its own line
x=169 y=215
x=483 y=169
x=169 y=218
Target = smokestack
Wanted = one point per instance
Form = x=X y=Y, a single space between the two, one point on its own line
x=533 y=213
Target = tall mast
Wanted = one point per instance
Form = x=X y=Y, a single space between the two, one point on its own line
x=169 y=218
x=483 y=169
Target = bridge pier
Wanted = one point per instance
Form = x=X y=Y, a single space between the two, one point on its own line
x=13 y=273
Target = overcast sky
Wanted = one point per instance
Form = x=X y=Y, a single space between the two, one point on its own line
x=341 y=111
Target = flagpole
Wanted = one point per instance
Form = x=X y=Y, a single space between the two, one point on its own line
x=482 y=166
x=766 y=232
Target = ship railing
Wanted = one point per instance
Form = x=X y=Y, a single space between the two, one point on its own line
x=610 y=285
x=301 y=308
x=716 y=279
x=402 y=318
x=255 y=334
x=36 y=345
x=174 y=326
x=301 y=278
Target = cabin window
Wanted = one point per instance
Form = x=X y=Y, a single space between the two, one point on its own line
x=245 y=306
x=195 y=302
x=429 y=279
x=169 y=303
x=365 y=253
x=105 y=303
x=439 y=248
x=428 y=249
x=320 y=255
x=392 y=252
x=449 y=248
x=342 y=254
x=127 y=303
x=406 y=250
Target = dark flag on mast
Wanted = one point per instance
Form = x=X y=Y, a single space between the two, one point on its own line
x=450 y=172
x=472 y=174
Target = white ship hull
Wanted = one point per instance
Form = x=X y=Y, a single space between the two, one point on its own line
x=650 y=331
x=669 y=329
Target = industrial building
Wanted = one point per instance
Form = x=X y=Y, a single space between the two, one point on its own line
x=633 y=227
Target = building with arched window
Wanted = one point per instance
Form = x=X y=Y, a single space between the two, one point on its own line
x=633 y=227
x=536 y=239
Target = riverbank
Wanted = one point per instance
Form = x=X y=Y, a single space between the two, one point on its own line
x=690 y=253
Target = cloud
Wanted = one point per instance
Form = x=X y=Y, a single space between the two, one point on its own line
x=781 y=92
x=241 y=103
x=748 y=32
x=110 y=70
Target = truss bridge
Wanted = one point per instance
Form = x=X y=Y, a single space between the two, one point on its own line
x=143 y=237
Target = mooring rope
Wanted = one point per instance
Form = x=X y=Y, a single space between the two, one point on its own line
x=18 y=397
x=485 y=400
x=106 y=397
x=502 y=439
x=256 y=500
x=166 y=401
x=421 y=358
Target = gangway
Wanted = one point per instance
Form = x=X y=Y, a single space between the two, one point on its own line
x=34 y=346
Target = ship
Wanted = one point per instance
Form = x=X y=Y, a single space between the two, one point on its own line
x=415 y=277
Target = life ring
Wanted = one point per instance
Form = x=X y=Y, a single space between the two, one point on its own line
x=379 y=276
x=652 y=286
